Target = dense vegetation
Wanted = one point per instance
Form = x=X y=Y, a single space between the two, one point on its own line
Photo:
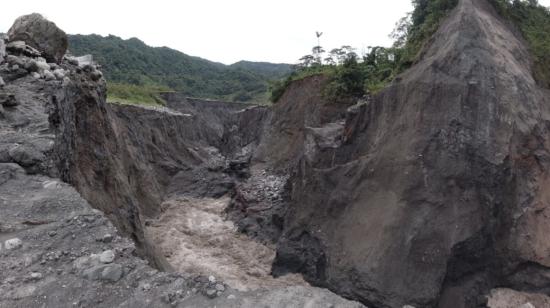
x=352 y=75
x=132 y=62
x=533 y=20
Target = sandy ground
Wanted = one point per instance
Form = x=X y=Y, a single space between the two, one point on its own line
x=195 y=238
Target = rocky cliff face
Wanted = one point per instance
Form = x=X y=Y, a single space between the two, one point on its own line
x=438 y=192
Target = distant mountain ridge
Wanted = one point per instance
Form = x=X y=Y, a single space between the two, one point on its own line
x=131 y=61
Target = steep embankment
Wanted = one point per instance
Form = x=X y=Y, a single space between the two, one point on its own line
x=437 y=193
x=123 y=161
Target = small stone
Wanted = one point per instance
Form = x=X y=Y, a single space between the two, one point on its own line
x=36 y=66
x=212 y=279
x=108 y=256
x=13 y=60
x=96 y=75
x=408 y=306
x=35 y=75
x=231 y=296
x=36 y=276
x=52 y=233
x=112 y=273
x=211 y=293
x=107 y=238
x=13 y=243
x=146 y=287
x=49 y=76
x=527 y=305
x=220 y=287
x=8 y=100
x=59 y=74
x=2 y=83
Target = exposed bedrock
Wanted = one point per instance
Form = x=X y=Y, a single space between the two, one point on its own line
x=438 y=191
x=56 y=251
x=126 y=160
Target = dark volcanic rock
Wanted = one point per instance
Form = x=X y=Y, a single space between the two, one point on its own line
x=41 y=34
x=438 y=192
x=8 y=99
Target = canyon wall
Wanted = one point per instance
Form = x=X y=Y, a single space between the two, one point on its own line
x=438 y=191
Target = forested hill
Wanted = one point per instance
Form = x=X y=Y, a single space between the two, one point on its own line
x=133 y=62
x=265 y=69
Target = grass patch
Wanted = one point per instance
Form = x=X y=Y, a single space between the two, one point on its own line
x=127 y=94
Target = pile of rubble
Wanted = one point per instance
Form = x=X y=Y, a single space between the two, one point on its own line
x=28 y=49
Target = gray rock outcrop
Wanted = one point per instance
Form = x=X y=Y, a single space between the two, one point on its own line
x=39 y=33
x=438 y=191
x=2 y=48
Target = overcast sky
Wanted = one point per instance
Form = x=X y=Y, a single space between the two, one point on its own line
x=226 y=30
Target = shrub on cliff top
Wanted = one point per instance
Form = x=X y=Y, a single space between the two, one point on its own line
x=533 y=20
x=354 y=76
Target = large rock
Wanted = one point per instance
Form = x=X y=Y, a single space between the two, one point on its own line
x=21 y=48
x=41 y=34
x=439 y=190
x=507 y=298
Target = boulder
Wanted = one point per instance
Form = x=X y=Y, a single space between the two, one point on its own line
x=13 y=60
x=21 y=48
x=508 y=298
x=26 y=155
x=108 y=256
x=36 y=66
x=108 y=272
x=13 y=243
x=41 y=34
x=59 y=73
x=49 y=76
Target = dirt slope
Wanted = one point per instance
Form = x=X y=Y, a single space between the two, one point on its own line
x=438 y=191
